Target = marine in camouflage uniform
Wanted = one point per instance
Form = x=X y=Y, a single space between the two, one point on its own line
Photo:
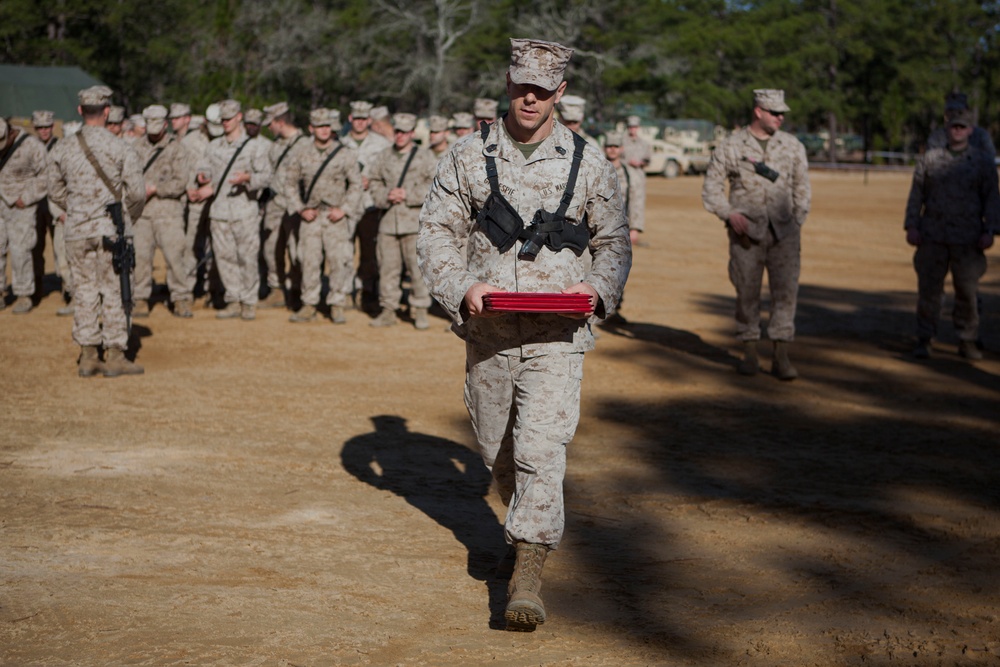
x=323 y=185
x=166 y=166
x=397 y=231
x=235 y=214
x=952 y=213
x=76 y=186
x=523 y=371
x=49 y=219
x=22 y=187
x=764 y=219
x=572 y=110
x=633 y=189
x=194 y=140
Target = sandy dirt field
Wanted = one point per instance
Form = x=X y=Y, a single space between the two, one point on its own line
x=279 y=494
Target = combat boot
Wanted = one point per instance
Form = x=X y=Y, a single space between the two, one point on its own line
x=923 y=349
x=420 y=319
x=248 y=311
x=141 y=309
x=524 y=601
x=337 y=315
x=783 y=368
x=22 y=305
x=229 y=312
x=386 y=318
x=182 y=308
x=89 y=363
x=67 y=309
x=968 y=349
x=276 y=299
x=750 y=364
x=306 y=313
x=116 y=364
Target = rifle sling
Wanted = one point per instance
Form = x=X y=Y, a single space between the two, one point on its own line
x=285 y=152
x=115 y=192
x=406 y=167
x=13 y=148
x=319 y=172
x=152 y=159
x=222 y=181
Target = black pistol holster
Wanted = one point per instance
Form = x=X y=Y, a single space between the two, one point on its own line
x=503 y=225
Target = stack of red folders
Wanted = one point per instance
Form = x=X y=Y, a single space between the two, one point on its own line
x=536 y=302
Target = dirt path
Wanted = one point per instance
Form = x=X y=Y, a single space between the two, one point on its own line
x=278 y=494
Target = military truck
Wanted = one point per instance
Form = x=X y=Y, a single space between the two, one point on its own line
x=682 y=146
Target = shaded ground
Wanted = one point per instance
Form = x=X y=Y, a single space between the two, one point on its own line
x=278 y=494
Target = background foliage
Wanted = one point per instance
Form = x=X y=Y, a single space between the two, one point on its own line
x=878 y=68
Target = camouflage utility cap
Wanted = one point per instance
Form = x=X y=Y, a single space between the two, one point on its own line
x=137 y=120
x=273 y=111
x=42 y=118
x=633 y=121
x=253 y=116
x=437 y=124
x=323 y=117
x=179 y=110
x=229 y=109
x=156 y=118
x=404 y=122
x=361 y=109
x=463 y=121
x=614 y=139
x=379 y=113
x=537 y=63
x=770 y=99
x=116 y=114
x=95 y=96
x=571 y=108
x=196 y=121
x=212 y=113
x=963 y=117
x=485 y=108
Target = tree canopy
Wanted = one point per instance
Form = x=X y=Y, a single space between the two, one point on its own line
x=879 y=68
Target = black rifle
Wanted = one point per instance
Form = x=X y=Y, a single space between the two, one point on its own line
x=122 y=257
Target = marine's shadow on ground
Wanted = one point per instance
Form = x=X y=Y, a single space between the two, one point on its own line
x=769 y=449
x=443 y=479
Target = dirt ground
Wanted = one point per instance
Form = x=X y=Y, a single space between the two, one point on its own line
x=279 y=494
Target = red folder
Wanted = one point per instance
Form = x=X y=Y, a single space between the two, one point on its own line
x=537 y=302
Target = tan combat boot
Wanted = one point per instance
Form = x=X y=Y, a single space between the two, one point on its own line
x=750 y=364
x=306 y=313
x=229 y=312
x=248 y=311
x=116 y=364
x=386 y=318
x=22 y=305
x=89 y=363
x=783 y=368
x=420 y=319
x=141 y=309
x=182 y=308
x=337 y=315
x=276 y=299
x=524 y=601
x=67 y=309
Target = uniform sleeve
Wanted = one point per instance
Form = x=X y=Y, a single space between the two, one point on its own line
x=801 y=188
x=291 y=174
x=171 y=179
x=915 y=202
x=133 y=184
x=713 y=191
x=609 y=240
x=56 y=181
x=260 y=168
x=426 y=165
x=353 y=206
x=37 y=184
x=636 y=203
x=377 y=186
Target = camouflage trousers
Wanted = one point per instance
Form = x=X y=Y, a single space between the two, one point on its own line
x=236 y=247
x=167 y=233
x=336 y=241
x=932 y=262
x=18 y=236
x=525 y=412
x=98 y=316
x=393 y=252
x=61 y=260
x=277 y=239
x=747 y=262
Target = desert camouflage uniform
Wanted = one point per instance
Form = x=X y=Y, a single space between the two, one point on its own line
x=279 y=216
x=636 y=148
x=953 y=201
x=367 y=228
x=195 y=215
x=633 y=187
x=397 y=231
x=24 y=177
x=776 y=212
x=162 y=221
x=338 y=186
x=523 y=372
x=74 y=186
x=48 y=215
x=235 y=214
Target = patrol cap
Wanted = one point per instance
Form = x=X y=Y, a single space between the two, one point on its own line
x=156 y=118
x=273 y=111
x=179 y=109
x=633 y=121
x=963 y=117
x=323 y=117
x=485 y=108
x=614 y=139
x=3 y=129
x=137 y=120
x=196 y=121
x=361 y=109
x=378 y=113
x=116 y=114
x=42 y=118
x=228 y=109
x=770 y=99
x=437 y=124
x=956 y=101
x=253 y=116
x=404 y=122
x=538 y=63
x=212 y=113
x=463 y=120
x=95 y=96
x=571 y=108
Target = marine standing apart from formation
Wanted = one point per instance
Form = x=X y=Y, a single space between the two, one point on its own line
x=523 y=371
x=90 y=171
x=951 y=216
x=768 y=202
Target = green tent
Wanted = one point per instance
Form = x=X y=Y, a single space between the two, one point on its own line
x=24 y=89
